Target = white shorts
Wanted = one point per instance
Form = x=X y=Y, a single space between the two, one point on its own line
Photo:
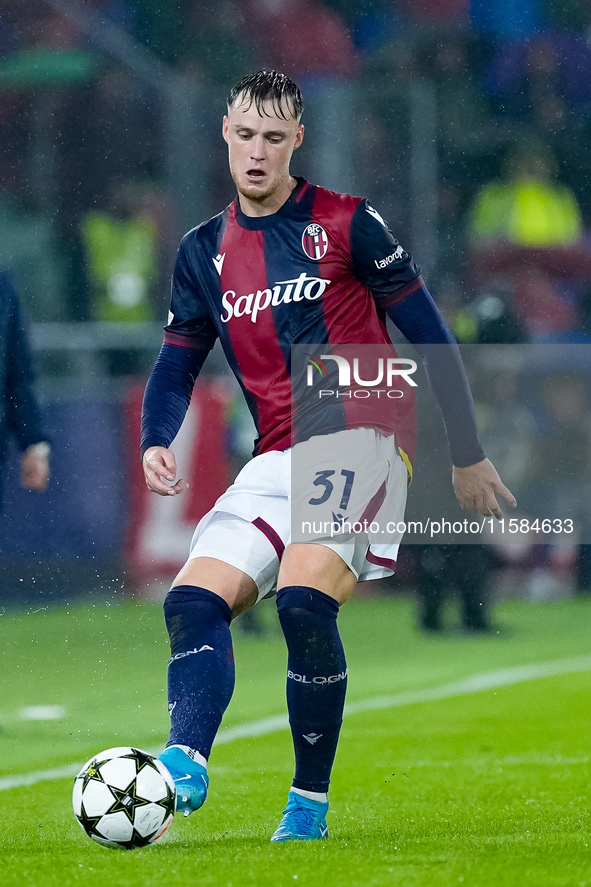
x=254 y=520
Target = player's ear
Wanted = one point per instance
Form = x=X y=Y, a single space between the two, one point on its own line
x=299 y=137
x=225 y=128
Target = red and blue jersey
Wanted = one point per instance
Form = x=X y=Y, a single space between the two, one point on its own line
x=324 y=269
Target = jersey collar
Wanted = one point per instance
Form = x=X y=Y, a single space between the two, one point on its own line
x=259 y=223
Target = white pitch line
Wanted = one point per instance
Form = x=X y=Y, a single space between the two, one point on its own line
x=23 y=779
x=477 y=683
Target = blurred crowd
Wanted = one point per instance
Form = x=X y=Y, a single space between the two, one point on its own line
x=84 y=157
x=110 y=116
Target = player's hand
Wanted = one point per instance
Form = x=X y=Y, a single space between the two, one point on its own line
x=475 y=487
x=35 y=471
x=159 y=467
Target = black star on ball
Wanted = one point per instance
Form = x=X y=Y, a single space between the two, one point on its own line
x=88 y=823
x=136 y=841
x=126 y=800
x=142 y=759
x=92 y=773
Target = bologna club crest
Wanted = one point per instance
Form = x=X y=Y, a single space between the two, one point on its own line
x=315 y=241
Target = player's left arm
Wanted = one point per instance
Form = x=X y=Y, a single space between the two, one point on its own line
x=475 y=478
x=394 y=279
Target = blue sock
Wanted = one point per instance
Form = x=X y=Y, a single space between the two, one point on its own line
x=316 y=681
x=201 y=665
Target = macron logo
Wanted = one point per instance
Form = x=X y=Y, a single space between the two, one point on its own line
x=218 y=261
x=312 y=738
x=373 y=212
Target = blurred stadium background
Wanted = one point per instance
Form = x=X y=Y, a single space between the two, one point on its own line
x=466 y=123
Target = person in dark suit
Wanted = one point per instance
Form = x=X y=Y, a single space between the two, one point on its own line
x=20 y=417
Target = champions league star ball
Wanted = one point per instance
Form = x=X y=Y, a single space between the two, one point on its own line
x=124 y=797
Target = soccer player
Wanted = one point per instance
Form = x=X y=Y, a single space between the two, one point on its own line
x=287 y=263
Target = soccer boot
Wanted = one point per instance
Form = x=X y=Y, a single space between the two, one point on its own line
x=190 y=778
x=303 y=820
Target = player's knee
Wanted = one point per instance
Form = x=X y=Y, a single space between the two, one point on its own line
x=295 y=601
x=189 y=609
x=308 y=619
x=317 y=567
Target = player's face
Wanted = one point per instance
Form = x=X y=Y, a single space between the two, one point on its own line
x=260 y=149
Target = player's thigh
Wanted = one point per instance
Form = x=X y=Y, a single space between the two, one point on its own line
x=317 y=566
x=234 y=586
x=233 y=557
x=338 y=482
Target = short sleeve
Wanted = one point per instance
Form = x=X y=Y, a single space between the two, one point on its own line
x=379 y=261
x=189 y=316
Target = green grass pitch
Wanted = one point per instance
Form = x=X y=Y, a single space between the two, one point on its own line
x=485 y=788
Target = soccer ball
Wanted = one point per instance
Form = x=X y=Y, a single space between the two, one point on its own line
x=124 y=797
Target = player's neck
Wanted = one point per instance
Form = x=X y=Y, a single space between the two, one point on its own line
x=269 y=205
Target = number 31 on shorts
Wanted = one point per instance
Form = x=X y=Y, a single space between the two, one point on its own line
x=322 y=480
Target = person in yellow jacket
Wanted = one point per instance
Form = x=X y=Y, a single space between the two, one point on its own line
x=122 y=255
x=527 y=207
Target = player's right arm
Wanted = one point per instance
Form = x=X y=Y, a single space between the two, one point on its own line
x=189 y=337
x=166 y=401
x=159 y=466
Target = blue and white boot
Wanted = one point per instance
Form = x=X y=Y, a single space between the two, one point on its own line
x=190 y=778
x=303 y=820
